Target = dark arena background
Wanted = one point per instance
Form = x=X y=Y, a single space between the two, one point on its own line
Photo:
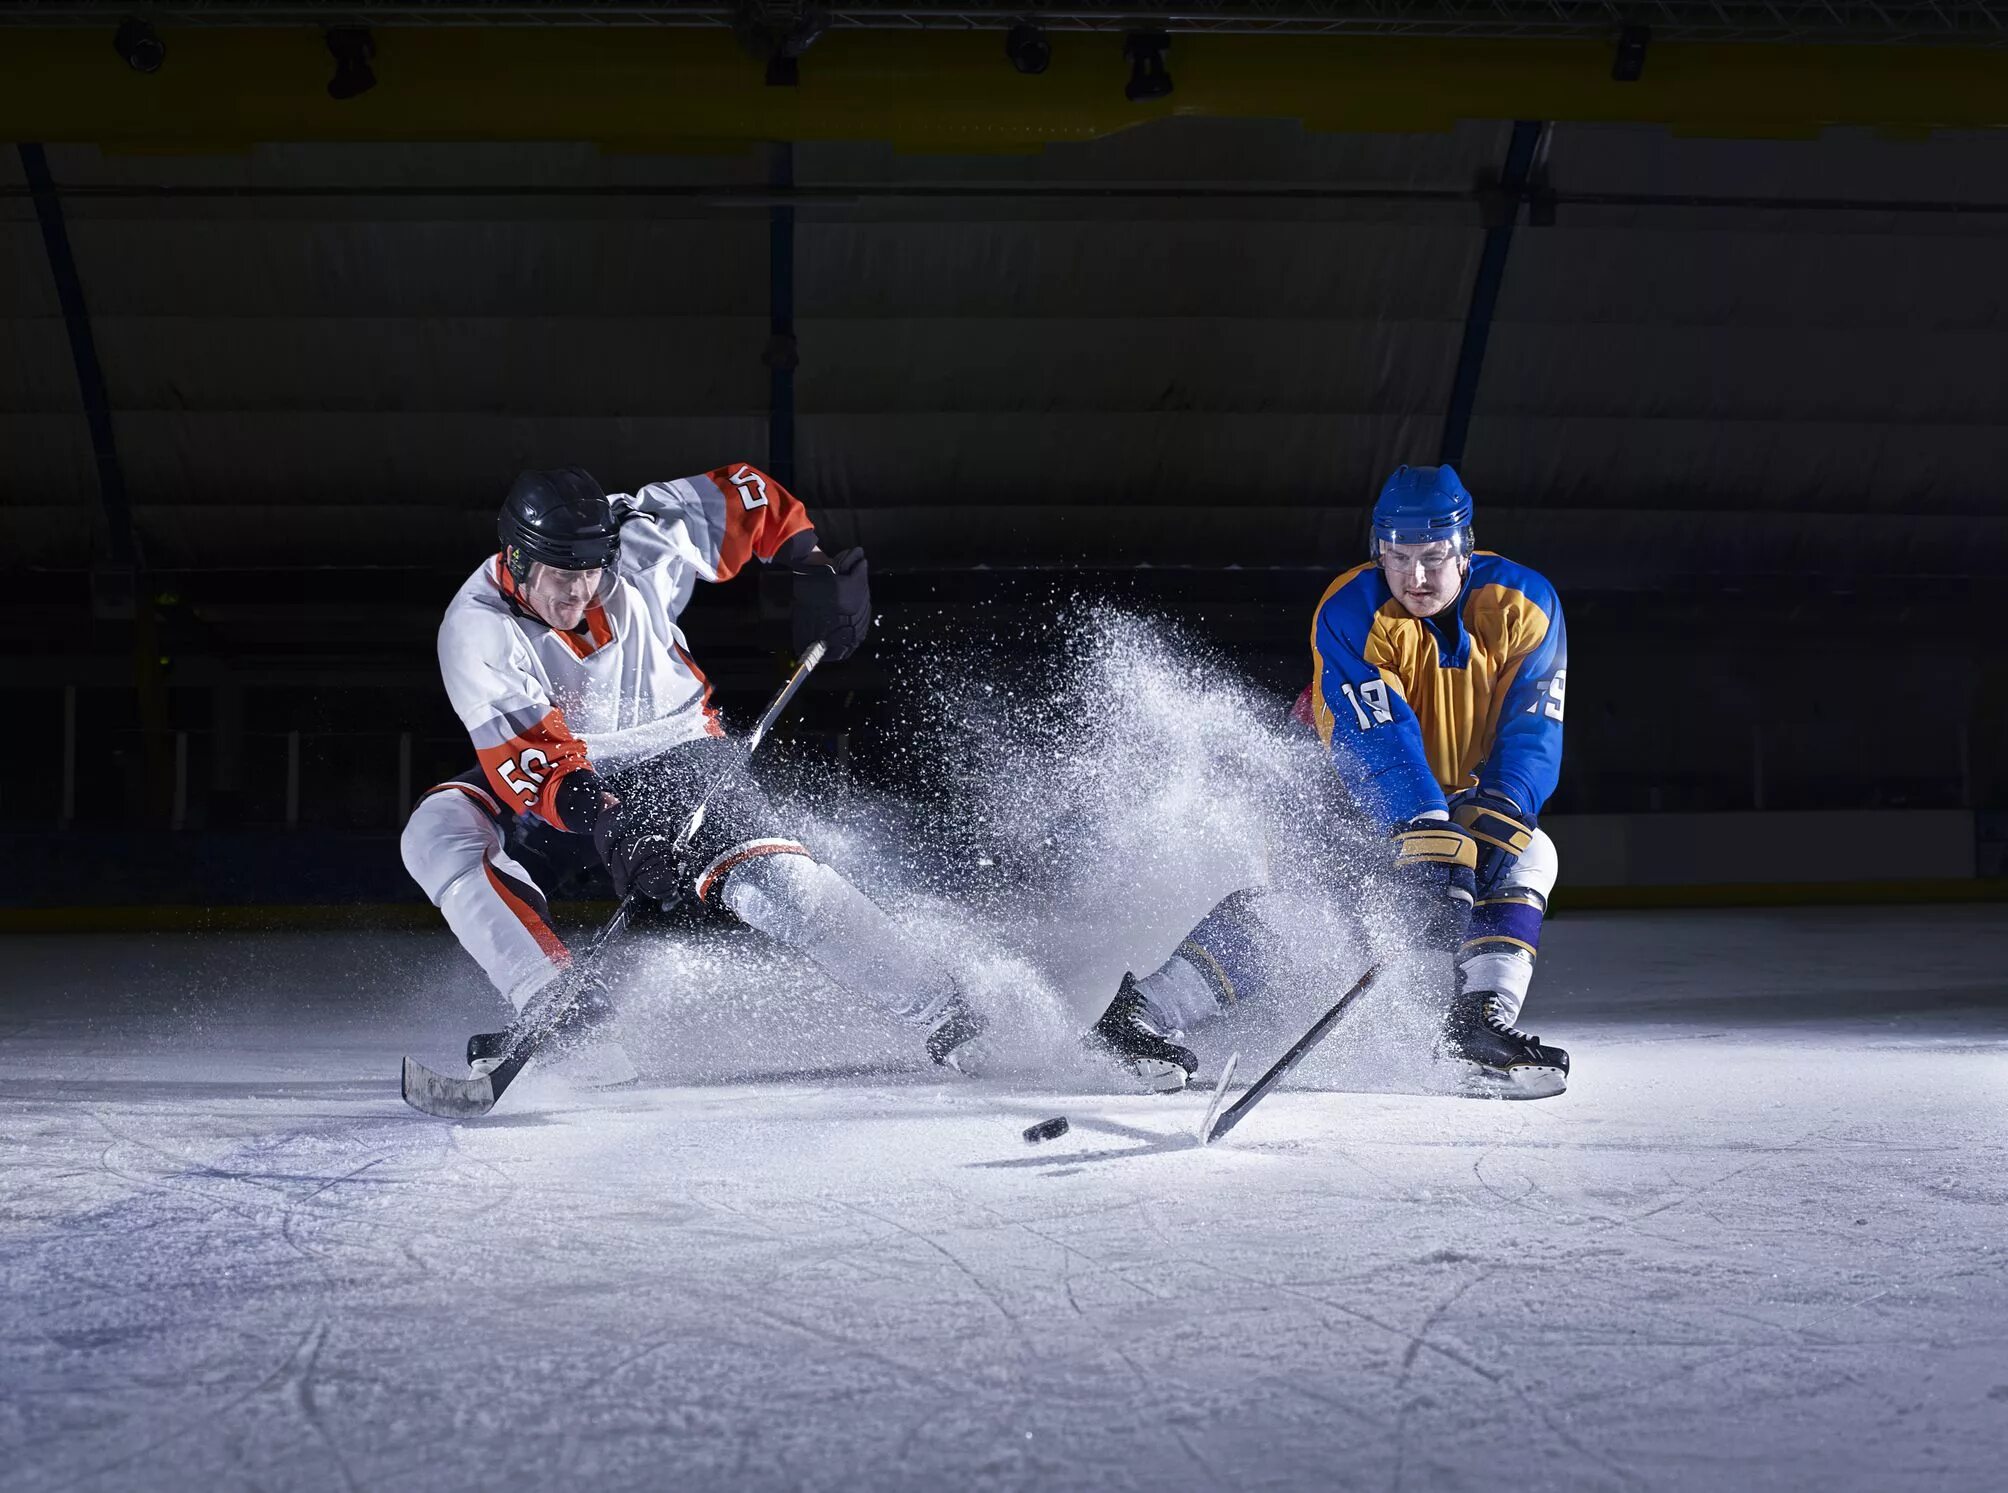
x=1098 y=330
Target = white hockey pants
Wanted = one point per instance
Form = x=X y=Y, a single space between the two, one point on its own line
x=455 y=849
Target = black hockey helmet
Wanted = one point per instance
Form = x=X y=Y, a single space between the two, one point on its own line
x=560 y=518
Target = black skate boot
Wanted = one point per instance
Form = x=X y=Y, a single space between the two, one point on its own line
x=577 y=1047
x=1499 y=1060
x=1126 y=1034
x=485 y=1051
x=952 y=1040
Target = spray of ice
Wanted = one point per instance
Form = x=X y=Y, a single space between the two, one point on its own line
x=1070 y=800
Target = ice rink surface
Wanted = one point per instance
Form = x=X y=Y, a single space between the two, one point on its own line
x=1759 y=1244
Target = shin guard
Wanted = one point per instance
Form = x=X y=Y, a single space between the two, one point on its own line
x=1499 y=952
x=1222 y=962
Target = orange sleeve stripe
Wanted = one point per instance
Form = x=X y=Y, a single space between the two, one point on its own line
x=760 y=516
x=552 y=945
x=526 y=770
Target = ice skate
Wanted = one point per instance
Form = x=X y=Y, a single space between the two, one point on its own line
x=485 y=1051
x=1499 y=1061
x=956 y=1038
x=1126 y=1034
x=579 y=1052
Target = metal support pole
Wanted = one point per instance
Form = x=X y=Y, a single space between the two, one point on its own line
x=69 y=755
x=113 y=504
x=292 y=780
x=783 y=354
x=117 y=589
x=177 y=817
x=225 y=806
x=1485 y=285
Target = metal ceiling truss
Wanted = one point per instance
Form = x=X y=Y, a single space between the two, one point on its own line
x=1874 y=22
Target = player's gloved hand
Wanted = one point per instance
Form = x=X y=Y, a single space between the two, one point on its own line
x=1436 y=860
x=833 y=603
x=637 y=854
x=1501 y=829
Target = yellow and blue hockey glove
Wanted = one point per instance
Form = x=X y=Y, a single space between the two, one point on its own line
x=1437 y=860
x=1500 y=828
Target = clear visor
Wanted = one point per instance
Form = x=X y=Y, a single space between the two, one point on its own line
x=566 y=575
x=589 y=563
x=1403 y=556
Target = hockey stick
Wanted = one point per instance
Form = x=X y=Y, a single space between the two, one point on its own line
x=1280 y=1069
x=450 y=1098
x=1219 y=1093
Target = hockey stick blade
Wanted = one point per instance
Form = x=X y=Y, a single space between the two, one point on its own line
x=446 y=1098
x=1280 y=1069
x=1219 y=1093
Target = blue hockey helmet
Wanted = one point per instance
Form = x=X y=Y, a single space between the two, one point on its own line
x=1419 y=505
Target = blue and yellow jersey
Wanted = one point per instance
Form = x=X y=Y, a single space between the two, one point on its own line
x=1415 y=709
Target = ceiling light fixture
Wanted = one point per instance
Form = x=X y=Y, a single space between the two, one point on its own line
x=1148 y=79
x=1628 y=61
x=352 y=47
x=1029 y=48
x=140 y=45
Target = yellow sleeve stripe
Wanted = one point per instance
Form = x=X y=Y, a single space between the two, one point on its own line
x=1321 y=713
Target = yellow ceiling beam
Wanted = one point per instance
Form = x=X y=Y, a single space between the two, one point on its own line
x=940 y=91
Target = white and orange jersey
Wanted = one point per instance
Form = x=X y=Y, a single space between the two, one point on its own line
x=541 y=704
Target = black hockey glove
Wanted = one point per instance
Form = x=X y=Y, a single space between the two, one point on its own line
x=1502 y=830
x=581 y=802
x=833 y=604
x=637 y=854
x=1434 y=860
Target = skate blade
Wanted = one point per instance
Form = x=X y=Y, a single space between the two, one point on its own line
x=972 y=1059
x=1157 y=1077
x=1160 y=1078
x=1523 y=1081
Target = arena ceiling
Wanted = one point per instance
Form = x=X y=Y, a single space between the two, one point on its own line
x=1194 y=344
x=939 y=79
x=1891 y=21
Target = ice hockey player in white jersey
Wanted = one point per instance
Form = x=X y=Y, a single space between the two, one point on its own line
x=596 y=737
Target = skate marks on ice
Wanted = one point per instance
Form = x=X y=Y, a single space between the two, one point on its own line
x=133 y=1262
x=766 y=1286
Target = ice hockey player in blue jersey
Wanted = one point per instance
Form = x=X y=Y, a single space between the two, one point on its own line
x=1437 y=688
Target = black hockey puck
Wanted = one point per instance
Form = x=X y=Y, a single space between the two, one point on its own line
x=1051 y=1129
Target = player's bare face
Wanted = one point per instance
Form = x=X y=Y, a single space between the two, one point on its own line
x=560 y=597
x=1425 y=578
